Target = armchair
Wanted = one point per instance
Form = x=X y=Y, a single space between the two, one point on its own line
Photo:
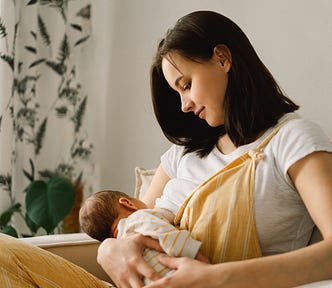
x=81 y=249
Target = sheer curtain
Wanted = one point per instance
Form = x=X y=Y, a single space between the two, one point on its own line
x=43 y=96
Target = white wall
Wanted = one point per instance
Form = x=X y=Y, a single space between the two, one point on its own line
x=293 y=38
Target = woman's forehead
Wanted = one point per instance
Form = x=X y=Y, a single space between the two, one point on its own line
x=175 y=59
x=171 y=71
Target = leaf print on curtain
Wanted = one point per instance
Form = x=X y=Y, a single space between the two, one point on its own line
x=42 y=102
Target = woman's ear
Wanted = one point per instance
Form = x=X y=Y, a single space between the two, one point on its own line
x=127 y=203
x=223 y=55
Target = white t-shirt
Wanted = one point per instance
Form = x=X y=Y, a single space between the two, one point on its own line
x=283 y=222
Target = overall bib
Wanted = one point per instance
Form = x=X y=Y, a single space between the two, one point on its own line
x=220 y=212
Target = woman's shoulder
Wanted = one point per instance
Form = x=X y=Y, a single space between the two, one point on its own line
x=174 y=153
x=300 y=130
x=298 y=138
x=171 y=158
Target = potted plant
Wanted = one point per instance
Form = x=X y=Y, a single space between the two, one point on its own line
x=48 y=200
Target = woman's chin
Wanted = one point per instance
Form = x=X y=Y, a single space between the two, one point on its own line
x=214 y=123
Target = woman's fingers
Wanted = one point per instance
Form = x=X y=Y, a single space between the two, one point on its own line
x=183 y=267
x=147 y=271
x=123 y=260
x=149 y=243
x=141 y=266
x=134 y=282
x=170 y=262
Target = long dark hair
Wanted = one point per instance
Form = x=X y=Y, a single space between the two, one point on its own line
x=253 y=100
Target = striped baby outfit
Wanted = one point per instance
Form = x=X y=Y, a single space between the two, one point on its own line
x=173 y=241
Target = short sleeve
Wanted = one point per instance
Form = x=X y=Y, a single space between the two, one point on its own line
x=296 y=140
x=170 y=160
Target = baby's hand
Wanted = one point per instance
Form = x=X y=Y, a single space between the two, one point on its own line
x=202 y=258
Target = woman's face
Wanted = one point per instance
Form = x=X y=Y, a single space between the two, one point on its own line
x=201 y=85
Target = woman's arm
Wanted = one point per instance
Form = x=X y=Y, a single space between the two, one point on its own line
x=156 y=188
x=123 y=260
x=312 y=177
x=285 y=270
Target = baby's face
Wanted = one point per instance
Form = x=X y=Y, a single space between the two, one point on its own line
x=126 y=207
x=123 y=212
x=114 y=228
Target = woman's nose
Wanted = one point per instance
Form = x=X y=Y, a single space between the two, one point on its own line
x=187 y=105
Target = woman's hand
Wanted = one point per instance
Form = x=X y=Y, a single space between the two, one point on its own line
x=188 y=273
x=122 y=260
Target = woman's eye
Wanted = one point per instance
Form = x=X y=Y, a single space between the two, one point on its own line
x=187 y=86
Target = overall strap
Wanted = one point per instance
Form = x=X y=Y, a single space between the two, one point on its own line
x=267 y=139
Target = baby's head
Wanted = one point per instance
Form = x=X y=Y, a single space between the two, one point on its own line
x=101 y=212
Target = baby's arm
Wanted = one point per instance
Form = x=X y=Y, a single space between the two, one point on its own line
x=157 y=225
x=166 y=213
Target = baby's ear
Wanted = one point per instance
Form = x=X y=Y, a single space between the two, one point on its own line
x=127 y=203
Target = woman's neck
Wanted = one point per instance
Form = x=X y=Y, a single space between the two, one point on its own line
x=225 y=145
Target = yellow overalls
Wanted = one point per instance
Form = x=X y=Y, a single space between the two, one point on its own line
x=220 y=212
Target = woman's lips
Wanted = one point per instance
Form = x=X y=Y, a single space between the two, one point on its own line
x=201 y=113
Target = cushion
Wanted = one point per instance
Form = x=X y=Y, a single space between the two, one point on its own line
x=143 y=181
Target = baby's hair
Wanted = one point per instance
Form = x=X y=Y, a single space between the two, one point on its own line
x=98 y=213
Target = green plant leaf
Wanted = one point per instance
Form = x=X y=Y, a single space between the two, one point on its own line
x=64 y=50
x=3 y=32
x=78 y=117
x=43 y=31
x=85 y=12
x=59 y=68
x=40 y=136
x=33 y=34
x=8 y=59
x=80 y=41
x=47 y=174
x=9 y=230
x=61 y=111
x=6 y=216
x=32 y=225
x=31 y=49
x=76 y=27
x=31 y=2
x=6 y=182
x=47 y=203
x=30 y=176
x=26 y=174
x=37 y=62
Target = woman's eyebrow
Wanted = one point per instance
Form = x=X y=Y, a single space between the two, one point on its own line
x=176 y=83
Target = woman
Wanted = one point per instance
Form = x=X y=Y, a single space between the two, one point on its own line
x=215 y=99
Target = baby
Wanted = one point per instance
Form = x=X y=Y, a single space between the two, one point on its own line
x=114 y=214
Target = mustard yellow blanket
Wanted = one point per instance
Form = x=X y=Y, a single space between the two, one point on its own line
x=24 y=265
